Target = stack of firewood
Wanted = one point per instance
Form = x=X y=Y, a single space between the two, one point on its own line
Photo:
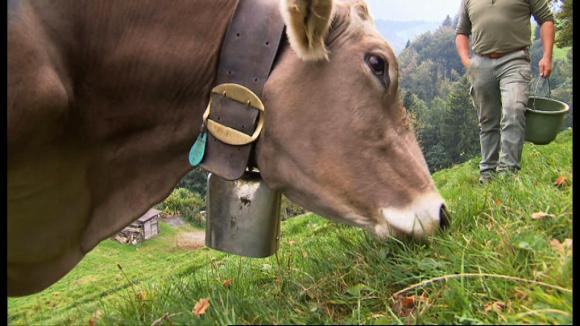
x=129 y=235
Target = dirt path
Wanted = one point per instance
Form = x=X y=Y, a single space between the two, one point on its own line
x=191 y=240
x=186 y=240
x=174 y=221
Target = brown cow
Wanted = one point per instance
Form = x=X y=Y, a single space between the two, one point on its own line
x=105 y=99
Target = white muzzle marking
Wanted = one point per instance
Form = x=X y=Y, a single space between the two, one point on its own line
x=420 y=218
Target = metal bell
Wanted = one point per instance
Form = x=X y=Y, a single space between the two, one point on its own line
x=243 y=216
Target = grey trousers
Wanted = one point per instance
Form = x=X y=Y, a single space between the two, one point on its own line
x=500 y=91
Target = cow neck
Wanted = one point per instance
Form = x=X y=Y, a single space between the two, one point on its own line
x=247 y=57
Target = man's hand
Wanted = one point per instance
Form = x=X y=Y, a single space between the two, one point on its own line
x=466 y=62
x=545 y=67
x=462 y=44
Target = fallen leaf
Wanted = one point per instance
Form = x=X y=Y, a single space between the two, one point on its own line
x=405 y=306
x=201 y=307
x=557 y=246
x=489 y=226
x=561 y=181
x=567 y=244
x=542 y=216
x=409 y=302
x=96 y=316
x=142 y=296
x=563 y=248
x=228 y=283
x=498 y=202
x=496 y=306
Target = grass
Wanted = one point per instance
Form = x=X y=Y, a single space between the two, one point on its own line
x=97 y=279
x=506 y=266
x=560 y=53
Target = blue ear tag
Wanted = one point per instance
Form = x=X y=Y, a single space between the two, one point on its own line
x=197 y=151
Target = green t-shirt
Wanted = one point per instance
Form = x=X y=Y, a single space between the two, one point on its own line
x=501 y=25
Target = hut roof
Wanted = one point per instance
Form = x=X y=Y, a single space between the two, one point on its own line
x=151 y=213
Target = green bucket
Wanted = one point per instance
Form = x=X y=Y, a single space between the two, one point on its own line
x=544 y=118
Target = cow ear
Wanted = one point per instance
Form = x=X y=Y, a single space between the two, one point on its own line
x=307 y=23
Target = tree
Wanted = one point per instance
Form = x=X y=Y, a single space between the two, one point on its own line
x=408 y=101
x=422 y=80
x=447 y=22
x=426 y=122
x=455 y=21
x=437 y=158
x=428 y=61
x=195 y=181
x=564 y=24
x=447 y=130
x=460 y=128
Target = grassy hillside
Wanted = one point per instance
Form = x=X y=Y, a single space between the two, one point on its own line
x=496 y=264
x=97 y=279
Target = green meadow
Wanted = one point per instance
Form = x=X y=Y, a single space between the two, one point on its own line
x=506 y=259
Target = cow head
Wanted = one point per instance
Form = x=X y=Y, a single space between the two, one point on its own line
x=337 y=139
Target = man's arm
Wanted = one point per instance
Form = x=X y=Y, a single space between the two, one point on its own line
x=547 y=34
x=462 y=44
x=545 y=18
x=463 y=31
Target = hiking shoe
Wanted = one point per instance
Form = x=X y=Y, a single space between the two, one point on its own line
x=486 y=176
x=507 y=171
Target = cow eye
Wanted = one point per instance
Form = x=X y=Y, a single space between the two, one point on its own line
x=377 y=64
x=379 y=68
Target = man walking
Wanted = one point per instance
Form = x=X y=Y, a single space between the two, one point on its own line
x=500 y=72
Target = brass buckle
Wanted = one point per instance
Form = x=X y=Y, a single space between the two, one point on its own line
x=242 y=95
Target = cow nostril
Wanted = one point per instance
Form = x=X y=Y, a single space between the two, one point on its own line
x=444 y=218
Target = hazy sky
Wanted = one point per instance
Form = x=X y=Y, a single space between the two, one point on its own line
x=430 y=10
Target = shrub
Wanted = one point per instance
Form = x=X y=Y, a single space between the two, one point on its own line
x=186 y=204
x=290 y=209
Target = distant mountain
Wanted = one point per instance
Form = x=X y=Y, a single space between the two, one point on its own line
x=397 y=33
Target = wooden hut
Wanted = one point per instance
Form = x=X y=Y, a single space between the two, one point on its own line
x=143 y=228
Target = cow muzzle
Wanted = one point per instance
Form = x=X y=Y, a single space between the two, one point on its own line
x=425 y=215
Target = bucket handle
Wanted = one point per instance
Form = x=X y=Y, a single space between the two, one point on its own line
x=536 y=90
x=538 y=83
